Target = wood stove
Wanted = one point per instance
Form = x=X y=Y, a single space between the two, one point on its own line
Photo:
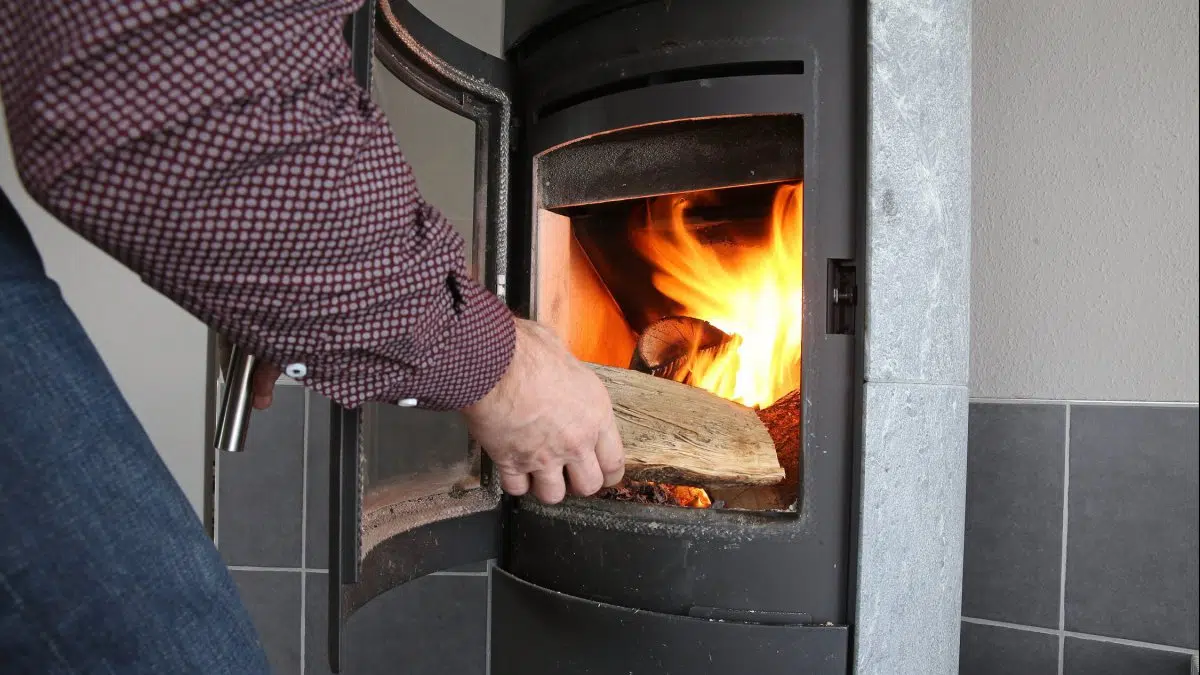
x=618 y=138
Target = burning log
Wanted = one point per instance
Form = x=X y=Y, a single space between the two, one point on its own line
x=668 y=348
x=782 y=420
x=682 y=435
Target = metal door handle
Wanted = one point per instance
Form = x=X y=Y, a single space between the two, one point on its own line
x=233 y=418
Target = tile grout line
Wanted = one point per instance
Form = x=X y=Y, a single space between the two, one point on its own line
x=255 y=568
x=1128 y=643
x=1062 y=571
x=304 y=531
x=322 y=570
x=1081 y=636
x=1084 y=401
x=918 y=383
x=1014 y=626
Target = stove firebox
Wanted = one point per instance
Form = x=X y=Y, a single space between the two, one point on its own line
x=687 y=171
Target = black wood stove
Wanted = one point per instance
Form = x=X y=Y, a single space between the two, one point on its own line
x=607 y=120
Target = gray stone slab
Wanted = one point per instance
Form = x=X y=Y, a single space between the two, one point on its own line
x=919 y=192
x=911 y=529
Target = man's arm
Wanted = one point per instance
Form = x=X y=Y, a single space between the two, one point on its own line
x=224 y=152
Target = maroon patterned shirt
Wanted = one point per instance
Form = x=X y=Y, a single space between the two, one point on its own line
x=224 y=152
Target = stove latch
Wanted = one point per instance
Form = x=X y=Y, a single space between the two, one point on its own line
x=843 y=297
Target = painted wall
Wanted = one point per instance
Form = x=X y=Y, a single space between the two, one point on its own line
x=1085 y=200
x=155 y=350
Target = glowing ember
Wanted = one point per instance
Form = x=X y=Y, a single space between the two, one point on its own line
x=646 y=492
x=752 y=291
x=692 y=497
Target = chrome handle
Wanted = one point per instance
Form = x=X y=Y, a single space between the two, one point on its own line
x=236 y=402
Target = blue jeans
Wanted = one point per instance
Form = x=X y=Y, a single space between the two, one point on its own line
x=104 y=566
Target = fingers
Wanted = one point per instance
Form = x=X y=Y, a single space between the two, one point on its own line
x=610 y=454
x=514 y=483
x=585 y=475
x=549 y=486
x=263 y=384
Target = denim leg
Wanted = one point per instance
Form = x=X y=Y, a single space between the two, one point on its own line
x=104 y=566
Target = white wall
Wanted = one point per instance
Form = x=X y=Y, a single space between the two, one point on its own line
x=155 y=350
x=1085 y=206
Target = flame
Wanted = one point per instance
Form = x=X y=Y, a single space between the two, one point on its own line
x=752 y=291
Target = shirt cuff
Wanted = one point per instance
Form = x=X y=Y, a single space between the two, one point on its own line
x=467 y=356
x=470 y=358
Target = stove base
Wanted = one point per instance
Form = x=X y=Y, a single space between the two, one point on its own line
x=536 y=631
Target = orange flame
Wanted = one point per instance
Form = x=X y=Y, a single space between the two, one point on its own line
x=753 y=291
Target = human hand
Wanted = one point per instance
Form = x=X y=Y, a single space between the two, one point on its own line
x=262 y=383
x=548 y=413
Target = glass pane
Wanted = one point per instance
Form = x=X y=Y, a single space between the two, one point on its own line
x=699 y=281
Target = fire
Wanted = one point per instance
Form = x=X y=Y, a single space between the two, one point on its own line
x=752 y=291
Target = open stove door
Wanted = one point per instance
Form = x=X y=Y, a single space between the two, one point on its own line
x=410 y=492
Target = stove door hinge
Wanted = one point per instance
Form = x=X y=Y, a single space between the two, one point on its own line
x=842 y=297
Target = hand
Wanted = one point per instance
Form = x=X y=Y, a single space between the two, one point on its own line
x=262 y=383
x=546 y=414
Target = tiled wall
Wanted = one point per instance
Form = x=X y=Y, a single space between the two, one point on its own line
x=1081 y=544
x=271 y=515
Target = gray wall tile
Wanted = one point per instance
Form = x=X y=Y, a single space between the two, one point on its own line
x=911 y=529
x=432 y=626
x=1013 y=551
x=273 y=600
x=1091 y=657
x=994 y=650
x=260 y=490
x=1134 y=504
x=316 y=525
x=919 y=192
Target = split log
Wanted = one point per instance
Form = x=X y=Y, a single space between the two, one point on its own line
x=682 y=435
x=669 y=346
x=782 y=420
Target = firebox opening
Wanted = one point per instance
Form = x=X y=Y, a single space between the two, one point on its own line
x=702 y=287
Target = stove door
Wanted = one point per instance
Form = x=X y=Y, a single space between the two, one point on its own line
x=410 y=492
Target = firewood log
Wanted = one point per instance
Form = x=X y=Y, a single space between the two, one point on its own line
x=667 y=346
x=677 y=434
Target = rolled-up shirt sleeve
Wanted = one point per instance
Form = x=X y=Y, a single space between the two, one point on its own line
x=224 y=152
